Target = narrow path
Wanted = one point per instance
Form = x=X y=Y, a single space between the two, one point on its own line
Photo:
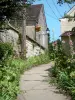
x=34 y=85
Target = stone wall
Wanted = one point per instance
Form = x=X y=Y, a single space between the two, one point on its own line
x=11 y=36
x=41 y=37
x=32 y=49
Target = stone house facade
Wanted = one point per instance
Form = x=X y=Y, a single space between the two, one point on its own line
x=35 y=15
x=11 y=35
x=66 y=24
x=68 y=27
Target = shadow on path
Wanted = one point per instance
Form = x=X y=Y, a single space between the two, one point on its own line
x=34 y=85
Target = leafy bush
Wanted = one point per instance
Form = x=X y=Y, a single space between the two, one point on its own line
x=54 y=71
x=65 y=76
x=63 y=80
x=10 y=74
x=64 y=71
x=9 y=81
x=5 y=50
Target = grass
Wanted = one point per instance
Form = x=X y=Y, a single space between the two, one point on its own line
x=11 y=72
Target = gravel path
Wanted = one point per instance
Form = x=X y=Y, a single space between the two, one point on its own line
x=34 y=85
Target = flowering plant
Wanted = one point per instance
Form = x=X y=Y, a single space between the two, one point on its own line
x=37 y=28
x=54 y=43
x=70 y=42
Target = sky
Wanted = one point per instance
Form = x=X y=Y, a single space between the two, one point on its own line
x=53 y=13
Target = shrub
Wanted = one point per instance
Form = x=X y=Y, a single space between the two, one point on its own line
x=63 y=80
x=64 y=70
x=64 y=73
x=6 y=50
x=11 y=69
x=54 y=71
x=10 y=75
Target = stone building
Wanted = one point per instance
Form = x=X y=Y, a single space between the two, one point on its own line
x=68 y=28
x=35 y=16
x=11 y=35
x=36 y=41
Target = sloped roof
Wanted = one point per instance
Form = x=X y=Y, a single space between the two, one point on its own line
x=33 y=11
x=67 y=33
x=71 y=10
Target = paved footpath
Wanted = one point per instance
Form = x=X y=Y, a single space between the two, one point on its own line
x=34 y=85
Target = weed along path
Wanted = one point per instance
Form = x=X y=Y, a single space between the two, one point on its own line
x=34 y=85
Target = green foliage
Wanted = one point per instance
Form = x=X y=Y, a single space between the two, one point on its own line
x=5 y=50
x=37 y=60
x=7 y=7
x=10 y=74
x=70 y=18
x=9 y=80
x=63 y=80
x=63 y=71
x=65 y=1
x=54 y=48
x=54 y=71
x=72 y=74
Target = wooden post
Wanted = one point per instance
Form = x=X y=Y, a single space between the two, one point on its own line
x=23 y=36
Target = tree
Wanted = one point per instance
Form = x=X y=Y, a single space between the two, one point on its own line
x=7 y=7
x=65 y=15
x=65 y=1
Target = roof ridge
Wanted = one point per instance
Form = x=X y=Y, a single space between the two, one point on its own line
x=36 y=4
x=70 y=9
x=34 y=10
